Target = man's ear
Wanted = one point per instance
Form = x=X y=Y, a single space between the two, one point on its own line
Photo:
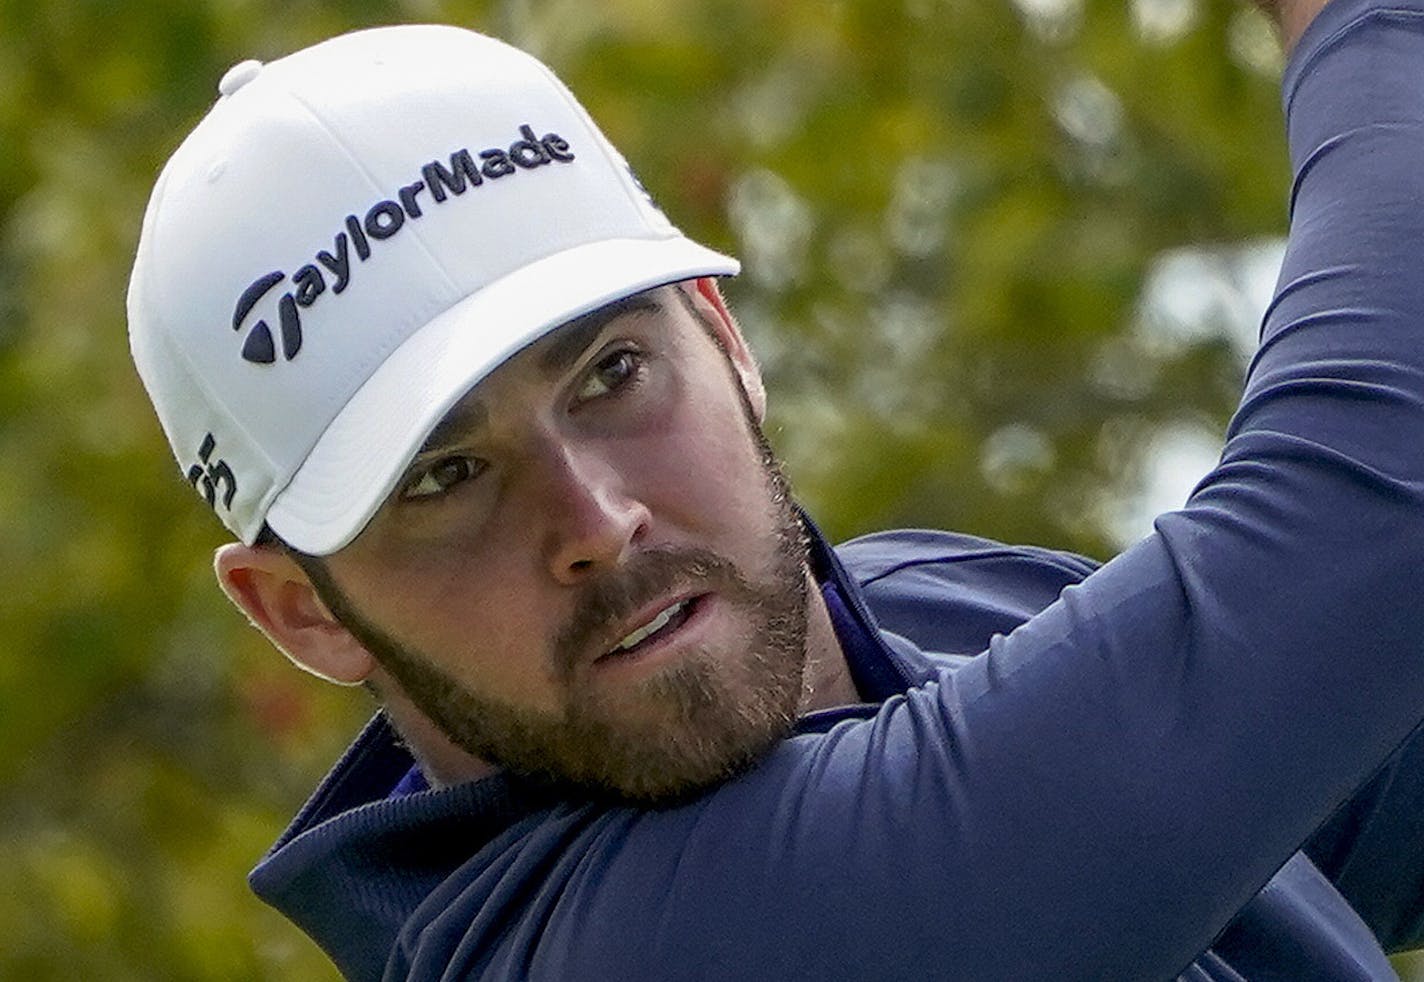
x=707 y=300
x=275 y=593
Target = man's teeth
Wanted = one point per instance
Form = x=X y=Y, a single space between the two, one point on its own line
x=652 y=627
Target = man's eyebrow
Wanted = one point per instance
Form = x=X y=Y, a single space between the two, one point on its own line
x=463 y=418
x=567 y=343
x=571 y=340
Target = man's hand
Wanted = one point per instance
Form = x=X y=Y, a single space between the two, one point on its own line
x=1291 y=17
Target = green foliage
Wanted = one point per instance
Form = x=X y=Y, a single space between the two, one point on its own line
x=947 y=208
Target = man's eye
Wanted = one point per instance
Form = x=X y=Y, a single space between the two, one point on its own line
x=610 y=374
x=440 y=476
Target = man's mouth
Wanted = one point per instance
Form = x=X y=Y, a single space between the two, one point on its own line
x=669 y=619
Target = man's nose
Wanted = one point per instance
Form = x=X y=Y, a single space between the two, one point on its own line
x=593 y=520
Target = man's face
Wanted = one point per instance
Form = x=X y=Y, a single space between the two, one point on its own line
x=593 y=572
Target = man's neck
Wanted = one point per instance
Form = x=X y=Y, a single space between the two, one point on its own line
x=826 y=681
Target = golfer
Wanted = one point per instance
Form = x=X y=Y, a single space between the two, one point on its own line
x=488 y=441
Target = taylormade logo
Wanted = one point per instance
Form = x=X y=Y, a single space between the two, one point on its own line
x=382 y=220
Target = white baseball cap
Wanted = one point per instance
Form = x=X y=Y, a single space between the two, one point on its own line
x=353 y=237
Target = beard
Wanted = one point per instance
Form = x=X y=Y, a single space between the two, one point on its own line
x=687 y=726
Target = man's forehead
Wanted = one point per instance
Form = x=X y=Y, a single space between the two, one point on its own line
x=551 y=354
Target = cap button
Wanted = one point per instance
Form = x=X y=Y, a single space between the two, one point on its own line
x=239 y=75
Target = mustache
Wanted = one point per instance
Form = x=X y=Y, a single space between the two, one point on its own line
x=605 y=603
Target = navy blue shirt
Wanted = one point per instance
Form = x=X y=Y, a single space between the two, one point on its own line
x=1196 y=761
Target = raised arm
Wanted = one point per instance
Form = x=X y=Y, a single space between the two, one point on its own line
x=1100 y=793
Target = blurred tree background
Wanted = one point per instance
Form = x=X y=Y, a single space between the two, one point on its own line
x=1005 y=260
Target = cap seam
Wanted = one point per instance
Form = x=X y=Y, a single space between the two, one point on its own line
x=618 y=163
x=370 y=180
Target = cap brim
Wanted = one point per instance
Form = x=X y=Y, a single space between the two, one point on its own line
x=358 y=459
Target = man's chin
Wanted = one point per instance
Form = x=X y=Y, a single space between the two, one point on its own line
x=683 y=729
x=654 y=781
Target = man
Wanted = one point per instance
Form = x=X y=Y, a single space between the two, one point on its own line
x=489 y=438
